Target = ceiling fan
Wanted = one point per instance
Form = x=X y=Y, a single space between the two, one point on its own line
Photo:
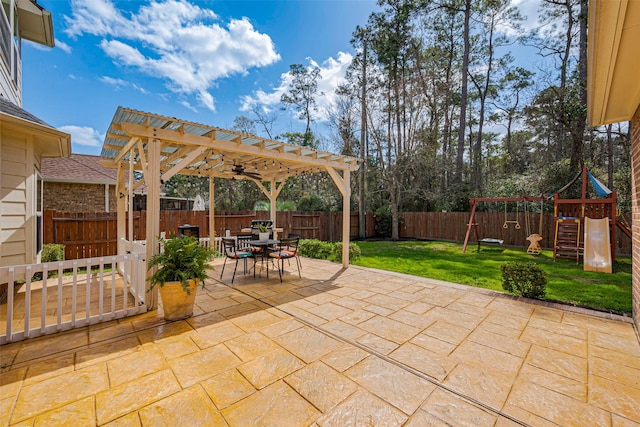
x=240 y=170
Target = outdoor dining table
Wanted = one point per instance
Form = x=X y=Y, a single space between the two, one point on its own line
x=275 y=230
x=264 y=245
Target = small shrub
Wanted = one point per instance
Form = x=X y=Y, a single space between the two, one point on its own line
x=354 y=252
x=384 y=220
x=314 y=248
x=51 y=252
x=527 y=280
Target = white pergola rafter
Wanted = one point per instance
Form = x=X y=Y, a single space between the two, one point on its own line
x=160 y=147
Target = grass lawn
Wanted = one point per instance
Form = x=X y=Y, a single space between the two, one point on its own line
x=567 y=282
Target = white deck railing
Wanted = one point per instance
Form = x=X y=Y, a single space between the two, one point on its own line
x=138 y=246
x=71 y=294
x=75 y=293
x=217 y=244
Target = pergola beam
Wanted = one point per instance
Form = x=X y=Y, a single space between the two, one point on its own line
x=234 y=147
x=143 y=158
x=132 y=142
x=186 y=161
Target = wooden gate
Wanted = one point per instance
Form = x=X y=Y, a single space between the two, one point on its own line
x=57 y=296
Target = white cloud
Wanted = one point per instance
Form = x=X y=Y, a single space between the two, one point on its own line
x=120 y=83
x=189 y=106
x=117 y=83
x=265 y=101
x=180 y=42
x=206 y=99
x=63 y=46
x=84 y=135
x=332 y=72
x=529 y=10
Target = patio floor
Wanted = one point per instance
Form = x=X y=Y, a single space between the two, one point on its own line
x=338 y=347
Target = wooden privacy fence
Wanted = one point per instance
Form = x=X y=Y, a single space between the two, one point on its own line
x=309 y=225
x=453 y=226
x=87 y=235
x=91 y=235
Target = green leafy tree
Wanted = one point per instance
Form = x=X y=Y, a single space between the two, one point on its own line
x=303 y=88
x=311 y=203
x=187 y=186
x=245 y=125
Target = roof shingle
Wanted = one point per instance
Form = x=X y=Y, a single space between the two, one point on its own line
x=7 y=107
x=77 y=168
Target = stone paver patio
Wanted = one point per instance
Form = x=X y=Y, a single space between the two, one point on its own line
x=339 y=347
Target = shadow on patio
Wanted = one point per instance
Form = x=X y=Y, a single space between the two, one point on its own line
x=338 y=347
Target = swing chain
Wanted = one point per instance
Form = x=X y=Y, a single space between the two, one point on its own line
x=528 y=221
x=507 y=221
x=541 y=216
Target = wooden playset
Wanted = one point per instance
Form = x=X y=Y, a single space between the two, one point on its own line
x=571 y=239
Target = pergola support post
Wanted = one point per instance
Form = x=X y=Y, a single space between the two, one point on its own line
x=346 y=218
x=344 y=185
x=121 y=207
x=272 y=194
x=130 y=199
x=153 y=212
x=212 y=211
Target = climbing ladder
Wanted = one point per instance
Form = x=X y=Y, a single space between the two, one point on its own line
x=567 y=239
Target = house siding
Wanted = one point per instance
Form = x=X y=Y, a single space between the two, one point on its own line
x=635 y=165
x=77 y=197
x=14 y=217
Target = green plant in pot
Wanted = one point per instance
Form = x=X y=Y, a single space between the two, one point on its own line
x=182 y=266
x=263 y=234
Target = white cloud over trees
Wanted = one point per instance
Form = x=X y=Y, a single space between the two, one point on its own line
x=182 y=43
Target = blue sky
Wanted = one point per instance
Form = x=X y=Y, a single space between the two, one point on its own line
x=203 y=61
x=206 y=61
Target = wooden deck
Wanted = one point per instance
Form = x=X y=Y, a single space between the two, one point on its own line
x=92 y=296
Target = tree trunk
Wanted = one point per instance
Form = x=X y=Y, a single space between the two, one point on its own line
x=362 y=215
x=463 y=92
x=609 y=156
x=395 y=202
x=581 y=120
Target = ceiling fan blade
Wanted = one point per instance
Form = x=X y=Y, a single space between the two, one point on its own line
x=252 y=175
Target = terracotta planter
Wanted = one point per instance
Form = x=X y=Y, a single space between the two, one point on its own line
x=176 y=303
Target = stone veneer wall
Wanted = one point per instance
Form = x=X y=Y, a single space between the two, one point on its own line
x=635 y=167
x=70 y=197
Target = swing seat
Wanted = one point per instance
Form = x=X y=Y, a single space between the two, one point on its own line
x=489 y=241
x=534 y=246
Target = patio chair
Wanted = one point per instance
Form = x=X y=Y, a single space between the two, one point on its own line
x=243 y=245
x=231 y=251
x=289 y=236
x=288 y=250
x=242 y=241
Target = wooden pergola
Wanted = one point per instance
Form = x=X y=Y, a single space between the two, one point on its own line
x=159 y=147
